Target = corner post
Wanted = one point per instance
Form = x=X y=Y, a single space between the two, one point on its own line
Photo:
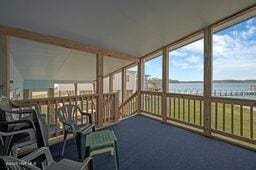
x=165 y=82
x=76 y=91
x=123 y=84
x=207 y=80
x=99 y=89
x=110 y=83
x=140 y=85
x=4 y=66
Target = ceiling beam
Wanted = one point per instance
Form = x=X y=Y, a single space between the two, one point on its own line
x=48 y=39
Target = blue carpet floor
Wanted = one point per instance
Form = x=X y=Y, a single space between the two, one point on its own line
x=146 y=144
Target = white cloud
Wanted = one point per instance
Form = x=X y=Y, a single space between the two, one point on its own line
x=234 y=54
x=193 y=59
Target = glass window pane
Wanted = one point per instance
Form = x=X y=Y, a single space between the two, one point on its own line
x=234 y=60
x=186 y=68
x=153 y=74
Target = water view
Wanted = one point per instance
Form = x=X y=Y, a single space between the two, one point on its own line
x=236 y=90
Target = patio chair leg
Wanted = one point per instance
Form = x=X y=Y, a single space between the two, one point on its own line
x=64 y=143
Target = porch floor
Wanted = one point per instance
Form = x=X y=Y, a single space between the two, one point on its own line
x=149 y=144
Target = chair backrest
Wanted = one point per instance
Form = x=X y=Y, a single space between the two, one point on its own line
x=68 y=114
x=39 y=121
x=5 y=105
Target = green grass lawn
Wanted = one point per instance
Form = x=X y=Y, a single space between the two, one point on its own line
x=190 y=111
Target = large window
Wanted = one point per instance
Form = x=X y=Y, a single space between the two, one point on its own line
x=234 y=60
x=39 y=94
x=153 y=74
x=106 y=85
x=85 y=88
x=131 y=80
x=186 y=68
x=65 y=89
x=117 y=84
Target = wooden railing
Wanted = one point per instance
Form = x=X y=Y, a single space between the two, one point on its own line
x=232 y=118
x=87 y=103
x=110 y=104
x=151 y=103
x=187 y=109
x=129 y=107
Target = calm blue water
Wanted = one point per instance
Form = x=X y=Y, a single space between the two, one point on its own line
x=193 y=88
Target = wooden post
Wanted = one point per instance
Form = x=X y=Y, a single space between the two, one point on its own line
x=25 y=94
x=99 y=89
x=207 y=80
x=123 y=84
x=112 y=108
x=94 y=86
x=139 y=85
x=76 y=92
x=110 y=82
x=116 y=109
x=165 y=82
x=51 y=106
x=4 y=66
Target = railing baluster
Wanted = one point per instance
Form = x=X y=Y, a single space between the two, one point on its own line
x=241 y=120
x=170 y=106
x=183 y=108
x=56 y=119
x=151 y=103
x=232 y=118
x=194 y=111
x=223 y=116
x=82 y=108
x=188 y=110
x=216 y=115
x=251 y=122
x=174 y=107
x=179 y=108
x=159 y=104
x=200 y=110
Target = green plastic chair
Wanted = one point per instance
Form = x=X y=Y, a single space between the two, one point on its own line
x=101 y=142
x=67 y=115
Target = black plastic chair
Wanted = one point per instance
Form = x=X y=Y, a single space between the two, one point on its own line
x=30 y=162
x=20 y=126
x=67 y=115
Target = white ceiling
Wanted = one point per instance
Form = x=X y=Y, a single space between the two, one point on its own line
x=38 y=61
x=132 y=26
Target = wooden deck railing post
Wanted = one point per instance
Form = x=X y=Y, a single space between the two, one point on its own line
x=207 y=80
x=76 y=91
x=116 y=109
x=51 y=106
x=165 y=82
x=139 y=85
x=123 y=84
x=110 y=83
x=4 y=66
x=99 y=90
x=25 y=94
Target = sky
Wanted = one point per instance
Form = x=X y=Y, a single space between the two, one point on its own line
x=234 y=56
